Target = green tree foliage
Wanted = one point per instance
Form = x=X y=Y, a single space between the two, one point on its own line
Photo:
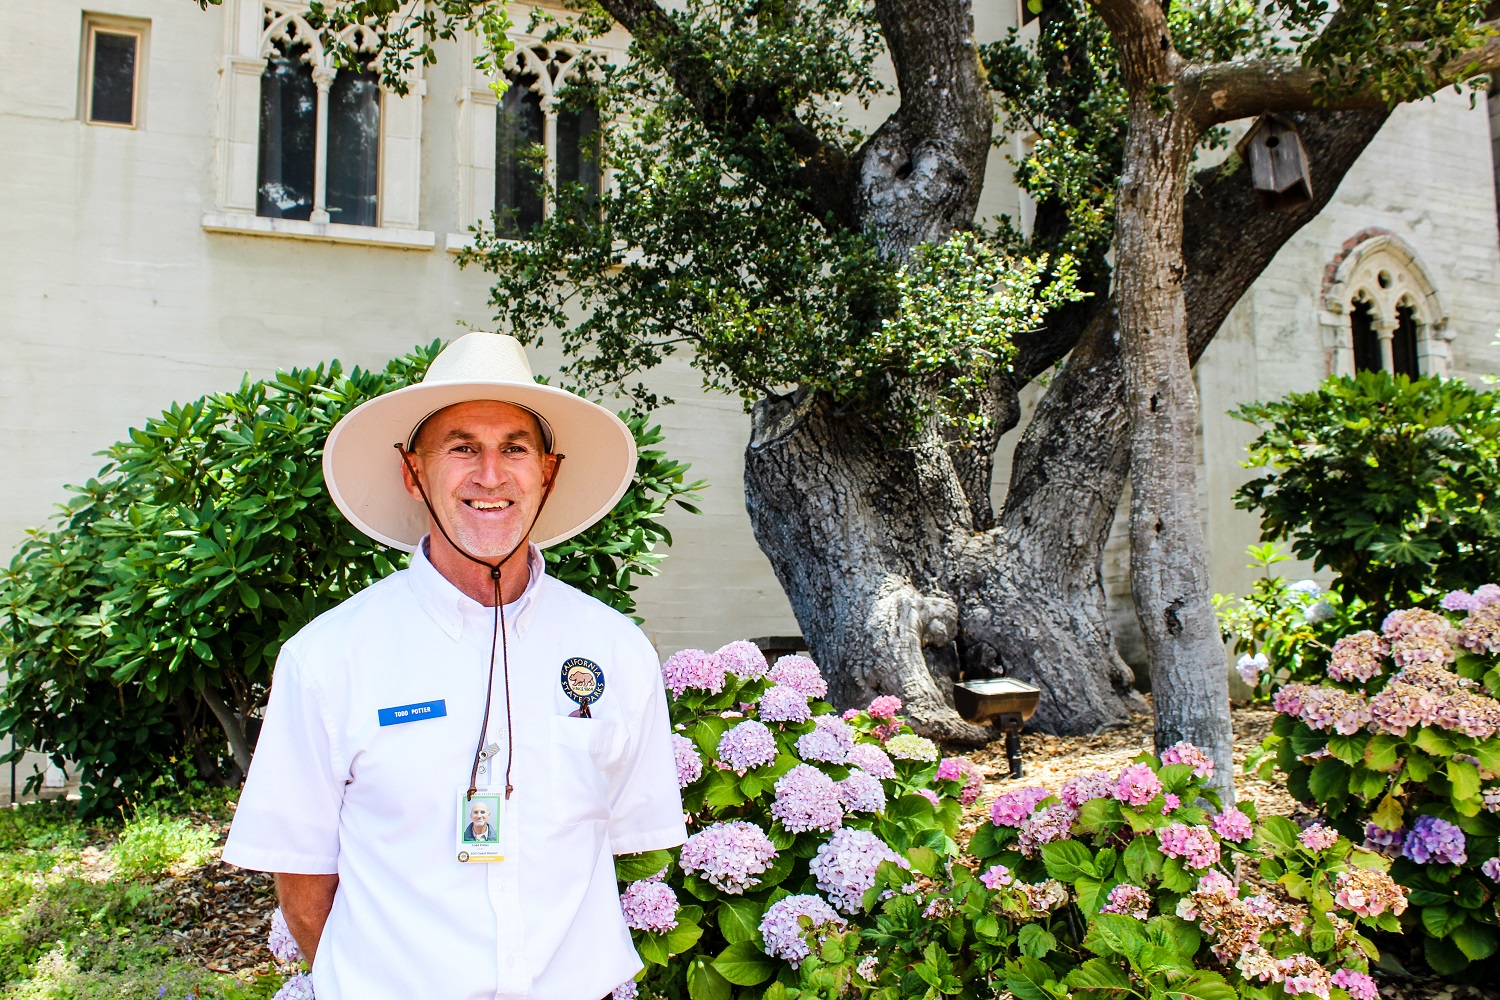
x=1393 y=484
x=139 y=630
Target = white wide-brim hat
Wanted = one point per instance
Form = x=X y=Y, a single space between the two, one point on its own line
x=363 y=468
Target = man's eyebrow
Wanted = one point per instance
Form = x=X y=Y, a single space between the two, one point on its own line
x=458 y=434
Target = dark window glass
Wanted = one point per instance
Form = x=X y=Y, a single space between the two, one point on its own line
x=578 y=150
x=1404 y=344
x=354 y=149
x=1366 y=344
x=288 y=133
x=112 y=94
x=518 y=174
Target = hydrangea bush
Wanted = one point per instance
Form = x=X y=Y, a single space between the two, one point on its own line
x=1397 y=745
x=793 y=813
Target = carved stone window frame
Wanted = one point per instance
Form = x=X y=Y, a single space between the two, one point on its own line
x=477 y=108
x=254 y=29
x=1378 y=267
x=140 y=30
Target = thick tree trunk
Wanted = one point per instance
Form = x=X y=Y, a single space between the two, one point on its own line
x=1169 y=558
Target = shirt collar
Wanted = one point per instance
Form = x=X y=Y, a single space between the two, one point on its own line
x=448 y=606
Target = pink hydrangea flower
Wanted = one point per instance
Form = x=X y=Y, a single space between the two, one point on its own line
x=649 y=905
x=1458 y=600
x=807 y=799
x=689 y=761
x=1301 y=973
x=862 y=792
x=870 y=758
x=930 y=796
x=830 y=742
x=1318 y=837
x=884 y=707
x=850 y=714
x=965 y=770
x=1194 y=843
x=1358 y=985
x=299 y=987
x=1045 y=826
x=695 y=669
x=1130 y=900
x=1417 y=635
x=801 y=673
x=625 y=991
x=784 y=703
x=1137 y=785
x=1087 y=787
x=743 y=659
x=1232 y=825
x=283 y=946
x=1183 y=752
x=1358 y=657
x=1369 y=893
x=728 y=855
x=996 y=876
x=1169 y=802
x=746 y=746
x=1012 y=807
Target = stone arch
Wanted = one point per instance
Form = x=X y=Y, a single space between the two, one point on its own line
x=1379 y=274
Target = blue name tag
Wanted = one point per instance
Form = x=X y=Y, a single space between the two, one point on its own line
x=413 y=713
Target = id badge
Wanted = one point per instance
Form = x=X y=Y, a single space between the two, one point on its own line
x=479 y=821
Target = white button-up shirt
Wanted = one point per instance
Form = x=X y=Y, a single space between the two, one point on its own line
x=332 y=790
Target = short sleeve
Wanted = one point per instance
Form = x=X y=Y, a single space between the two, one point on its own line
x=288 y=814
x=646 y=804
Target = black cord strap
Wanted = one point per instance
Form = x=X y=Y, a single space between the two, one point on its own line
x=498 y=636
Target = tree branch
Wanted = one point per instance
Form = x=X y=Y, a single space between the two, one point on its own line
x=826 y=167
x=1223 y=92
x=1142 y=39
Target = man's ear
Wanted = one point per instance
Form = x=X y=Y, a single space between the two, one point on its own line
x=409 y=462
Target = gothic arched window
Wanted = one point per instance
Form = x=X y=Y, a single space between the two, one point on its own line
x=1392 y=318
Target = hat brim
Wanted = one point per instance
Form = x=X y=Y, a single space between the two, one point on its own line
x=363 y=469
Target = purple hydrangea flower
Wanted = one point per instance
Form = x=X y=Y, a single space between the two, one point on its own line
x=862 y=792
x=1432 y=840
x=1251 y=667
x=781 y=927
x=930 y=796
x=884 y=707
x=1491 y=868
x=689 y=761
x=965 y=770
x=807 y=799
x=743 y=659
x=1388 y=842
x=784 y=703
x=801 y=673
x=299 y=987
x=1459 y=600
x=1487 y=594
x=870 y=758
x=830 y=742
x=728 y=855
x=283 y=946
x=625 y=991
x=845 y=866
x=693 y=668
x=749 y=744
x=649 y=905
x=1232 y=825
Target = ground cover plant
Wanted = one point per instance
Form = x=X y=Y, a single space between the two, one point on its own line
x=139 y=630
x=1398 y=745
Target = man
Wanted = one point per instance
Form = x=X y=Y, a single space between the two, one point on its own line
x=479 y=823
x=451 y=679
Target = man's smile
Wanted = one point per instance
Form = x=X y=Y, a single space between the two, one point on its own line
x=487 y=504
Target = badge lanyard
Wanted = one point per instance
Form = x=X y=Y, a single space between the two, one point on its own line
x=498 y=638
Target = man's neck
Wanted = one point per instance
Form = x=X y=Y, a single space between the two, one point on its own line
x=473 y=579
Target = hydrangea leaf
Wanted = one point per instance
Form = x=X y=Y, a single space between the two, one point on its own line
x=707 y=983
x=739 y=921
x=1434 y=742
x=1035 y=940
x=1099 y=978
x=1068 y=861
x=633 y=867
x=744 y=964
x=1202 y=986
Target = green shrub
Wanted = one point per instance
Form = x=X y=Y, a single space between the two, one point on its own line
x=1392 y=483
x=1090 y=890
x=139 y=631
x=153 y=843
x=1398 y=745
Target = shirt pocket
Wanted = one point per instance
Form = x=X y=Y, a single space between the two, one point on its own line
x=584 y=751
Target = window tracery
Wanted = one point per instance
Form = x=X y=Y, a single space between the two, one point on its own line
x=1383 y=312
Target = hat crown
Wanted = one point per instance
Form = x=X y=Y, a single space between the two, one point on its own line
x=481 y=357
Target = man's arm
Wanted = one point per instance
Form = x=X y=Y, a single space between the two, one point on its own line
x=305 y=903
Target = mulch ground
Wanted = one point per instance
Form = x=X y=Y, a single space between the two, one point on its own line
x=221 y=914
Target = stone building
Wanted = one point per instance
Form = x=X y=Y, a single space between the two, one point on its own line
x=186 y=198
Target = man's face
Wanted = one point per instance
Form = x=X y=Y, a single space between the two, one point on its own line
x=485 y=470
x=479 y=814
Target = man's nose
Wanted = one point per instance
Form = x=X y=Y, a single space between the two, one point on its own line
x=491 y=471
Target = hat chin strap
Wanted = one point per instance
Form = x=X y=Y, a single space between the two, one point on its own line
x=498 y=638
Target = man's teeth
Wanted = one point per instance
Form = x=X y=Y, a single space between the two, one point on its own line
x=487 y=505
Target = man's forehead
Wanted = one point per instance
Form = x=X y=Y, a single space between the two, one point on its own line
x=478 y=418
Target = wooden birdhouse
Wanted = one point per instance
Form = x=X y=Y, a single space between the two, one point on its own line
x=1278 y=164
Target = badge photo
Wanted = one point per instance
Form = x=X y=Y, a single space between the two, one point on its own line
x=479 y=821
